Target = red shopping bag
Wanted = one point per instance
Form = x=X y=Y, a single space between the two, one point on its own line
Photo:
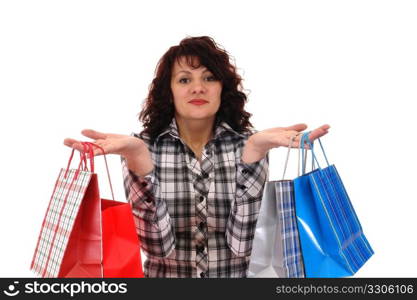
x=83 y=235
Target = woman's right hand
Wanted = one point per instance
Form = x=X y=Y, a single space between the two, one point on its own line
x=134 y=150
x=124 y=145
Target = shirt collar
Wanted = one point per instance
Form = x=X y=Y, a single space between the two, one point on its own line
x=220 y=130
x=224 y=128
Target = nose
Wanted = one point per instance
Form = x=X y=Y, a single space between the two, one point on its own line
x=198 y=87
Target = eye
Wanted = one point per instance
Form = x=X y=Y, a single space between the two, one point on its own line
x=211 y=78
x=183 y=80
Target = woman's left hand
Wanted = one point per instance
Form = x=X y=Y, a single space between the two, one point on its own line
x=258 y=144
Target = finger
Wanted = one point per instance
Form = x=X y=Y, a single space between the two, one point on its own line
x=92 y=134
x=73 y=144
x=297 y=127
x=325 y=127
x=317 y=133
x=68 y=142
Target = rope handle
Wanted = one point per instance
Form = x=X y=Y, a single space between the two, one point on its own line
x=305 y=140
x=91 y=157
x=88 y=148
x=81 y=166
x=288 y=154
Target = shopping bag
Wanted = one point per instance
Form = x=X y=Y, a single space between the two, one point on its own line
x=332 y=240
x=276 y=248
x=83 y=235
x=121 y=247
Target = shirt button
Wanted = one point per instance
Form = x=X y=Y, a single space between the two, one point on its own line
x=202 y=274
x=205 y=175
x=245 y=171
x=201 y=225
x=200 y=248
x=144 y=183
x=241 y=186
x=148 y=200
x=201 y=198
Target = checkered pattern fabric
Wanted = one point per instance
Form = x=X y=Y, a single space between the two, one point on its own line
x=292 y=255
x=197 y=219
x=58 y=222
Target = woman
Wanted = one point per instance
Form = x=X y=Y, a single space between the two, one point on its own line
x=195 y=175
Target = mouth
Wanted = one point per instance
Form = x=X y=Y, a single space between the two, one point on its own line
x=198 y=101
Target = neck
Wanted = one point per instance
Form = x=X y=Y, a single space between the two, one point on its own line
x=195 y=133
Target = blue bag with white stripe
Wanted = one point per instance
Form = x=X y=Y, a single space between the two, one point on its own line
x=332 y=240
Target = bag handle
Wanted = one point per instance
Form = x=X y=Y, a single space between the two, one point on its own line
x=288 y=154
x=322 y=150
x=306 y=140
x=91 y=157
x=324 y=153
x=302 y=155
x=304 y=152
x=81 y=166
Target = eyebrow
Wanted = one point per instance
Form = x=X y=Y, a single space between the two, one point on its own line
x=188 y=72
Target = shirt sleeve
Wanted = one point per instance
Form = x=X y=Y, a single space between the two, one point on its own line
x=152 y=220
x=241 y=225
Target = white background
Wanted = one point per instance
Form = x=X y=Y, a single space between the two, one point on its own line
x=69 y=65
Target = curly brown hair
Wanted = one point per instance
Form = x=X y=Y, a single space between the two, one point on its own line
x=158 y=109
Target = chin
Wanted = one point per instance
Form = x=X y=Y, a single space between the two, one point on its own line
x=198 y=116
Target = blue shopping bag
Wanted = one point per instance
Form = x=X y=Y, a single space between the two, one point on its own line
x=332 y=240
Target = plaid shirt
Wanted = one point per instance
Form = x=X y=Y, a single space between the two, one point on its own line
x=197 y=219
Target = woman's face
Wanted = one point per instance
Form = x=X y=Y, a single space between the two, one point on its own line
x=196 y=92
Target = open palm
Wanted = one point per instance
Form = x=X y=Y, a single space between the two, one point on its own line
x=110 y=142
